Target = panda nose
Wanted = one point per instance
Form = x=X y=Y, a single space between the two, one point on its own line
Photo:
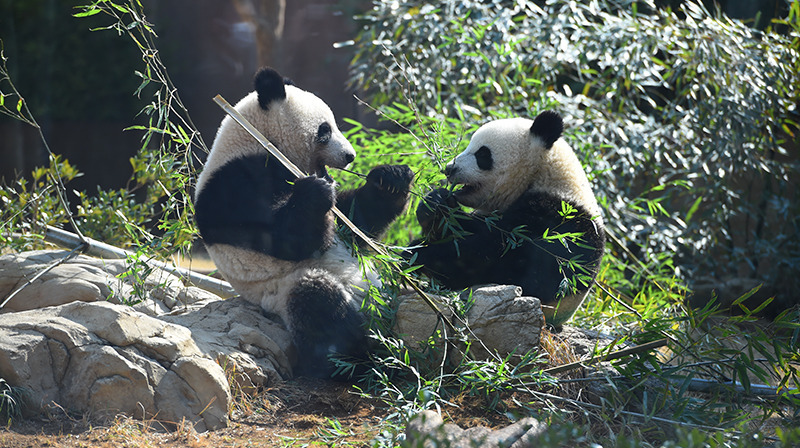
x=450 y=169
x=348 y=158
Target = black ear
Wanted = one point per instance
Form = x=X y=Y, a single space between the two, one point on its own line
x=270 y=86
x=548 y=126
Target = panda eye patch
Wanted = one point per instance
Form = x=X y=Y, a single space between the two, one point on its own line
x=323 y=134
x=483 y=157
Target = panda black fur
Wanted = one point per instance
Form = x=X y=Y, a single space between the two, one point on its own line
x=520 y=170
x=273 y=237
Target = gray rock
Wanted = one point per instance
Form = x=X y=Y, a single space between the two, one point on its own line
x=235 y=333
x=169 y=358
x=88 y=279
x=427 y=429
x=499 y=318
x=106 y=358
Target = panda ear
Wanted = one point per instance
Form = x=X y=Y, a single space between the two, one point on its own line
x=548 y=126
x=270 y=86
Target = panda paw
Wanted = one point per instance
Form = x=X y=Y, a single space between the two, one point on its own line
x=315 y=193
x=435 y=208
x=391 y=179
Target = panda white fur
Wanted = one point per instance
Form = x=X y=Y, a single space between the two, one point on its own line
x=273 y=237
x=522 y=171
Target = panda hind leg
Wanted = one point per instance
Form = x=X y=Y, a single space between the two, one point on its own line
x=324 y=320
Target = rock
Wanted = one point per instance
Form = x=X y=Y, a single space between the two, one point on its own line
x=503 y=321
x=101 y=357
x=88 y=279
x=258 y=350
x=169 y=358
x=427 y=429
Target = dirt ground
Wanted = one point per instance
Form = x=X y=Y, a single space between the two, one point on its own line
x=292 y=414
x=297 y=413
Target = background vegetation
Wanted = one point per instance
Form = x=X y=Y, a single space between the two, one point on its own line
x=686 y=122
x=686 y=119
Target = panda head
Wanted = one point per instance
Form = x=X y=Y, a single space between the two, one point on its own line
x=505 y=158
x=297 y=122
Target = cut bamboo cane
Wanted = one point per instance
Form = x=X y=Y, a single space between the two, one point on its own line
x=95 y=248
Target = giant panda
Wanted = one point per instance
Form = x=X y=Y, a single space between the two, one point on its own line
x=273 y=237
x=521 y=178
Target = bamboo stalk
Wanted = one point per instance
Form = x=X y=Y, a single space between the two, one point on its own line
x=711 y=386
x=99 y=249
x=609 y=357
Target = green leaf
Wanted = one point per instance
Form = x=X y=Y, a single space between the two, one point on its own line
x=693 y=208
x=88 y=12
x=120 y=8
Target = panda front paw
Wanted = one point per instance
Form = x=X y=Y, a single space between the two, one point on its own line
x=391 y=179
x=314 y=193
x=435 y=208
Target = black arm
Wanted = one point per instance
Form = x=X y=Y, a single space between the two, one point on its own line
x=375 y=205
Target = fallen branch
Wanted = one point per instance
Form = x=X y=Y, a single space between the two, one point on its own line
x=711 y=386
x=643 y=348
x=98 y=249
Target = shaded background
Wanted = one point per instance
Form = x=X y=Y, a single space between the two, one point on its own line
x=79 y=84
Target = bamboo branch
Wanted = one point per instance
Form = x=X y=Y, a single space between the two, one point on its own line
x=609 y=357
x=99 y=249
x=711 y=386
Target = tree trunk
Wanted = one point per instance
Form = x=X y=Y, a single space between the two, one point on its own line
x=267 y=19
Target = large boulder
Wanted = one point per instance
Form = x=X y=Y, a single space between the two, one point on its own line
x=255 y=350
x=498 y=320
x=101 y=357
x=169 y=357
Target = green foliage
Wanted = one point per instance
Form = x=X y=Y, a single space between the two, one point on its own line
x=685 y=118
x=155 y=209
x=30 y=205
x=643 y=124
x=425 y=147
x=11 y=402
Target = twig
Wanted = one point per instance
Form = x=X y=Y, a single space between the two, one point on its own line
x=81 y=246
x=363 y=176
x=609 y=357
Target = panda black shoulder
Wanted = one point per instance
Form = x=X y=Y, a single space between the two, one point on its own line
x=242 y=190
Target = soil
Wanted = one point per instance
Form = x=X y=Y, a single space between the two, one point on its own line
x=292 y=414
x=297 y=413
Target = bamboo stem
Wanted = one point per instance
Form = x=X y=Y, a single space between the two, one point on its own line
x=609 y=357
x=99 y=249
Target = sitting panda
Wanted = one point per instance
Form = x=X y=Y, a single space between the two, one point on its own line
x=525 y=175
x=273 y=237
